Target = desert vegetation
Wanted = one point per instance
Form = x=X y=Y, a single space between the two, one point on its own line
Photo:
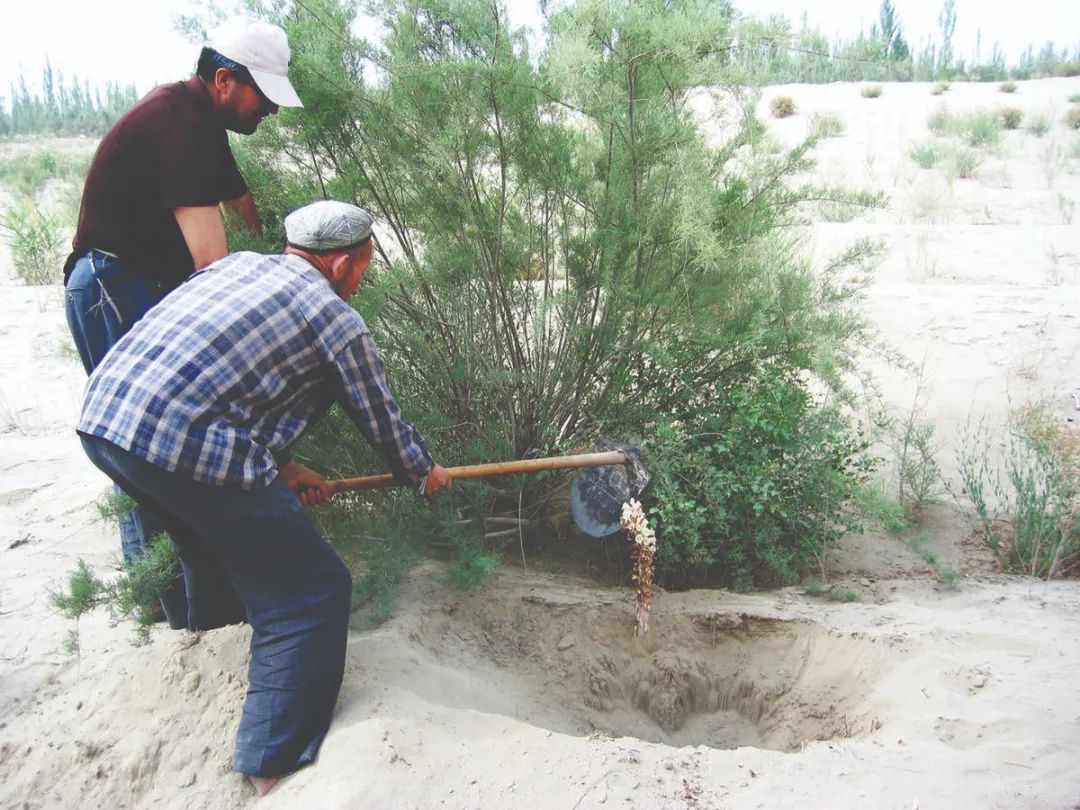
x=1010 y=117
x=826 y=125
x=1027 y=496
x=782 y=106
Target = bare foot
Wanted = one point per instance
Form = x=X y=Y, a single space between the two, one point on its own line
x=262 y=784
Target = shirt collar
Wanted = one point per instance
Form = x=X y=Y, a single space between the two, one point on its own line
x=197 y=90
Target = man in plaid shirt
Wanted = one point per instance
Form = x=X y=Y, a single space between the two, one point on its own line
x=192 y=413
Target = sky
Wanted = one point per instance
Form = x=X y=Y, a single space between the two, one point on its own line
x=135 y=41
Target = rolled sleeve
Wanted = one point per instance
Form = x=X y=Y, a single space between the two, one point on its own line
x=367 y=399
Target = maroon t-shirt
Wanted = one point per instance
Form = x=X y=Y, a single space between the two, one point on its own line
x=166 y=152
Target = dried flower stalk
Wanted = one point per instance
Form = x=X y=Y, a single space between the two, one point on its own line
x=643 y=543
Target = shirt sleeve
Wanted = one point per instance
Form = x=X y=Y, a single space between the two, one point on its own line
x=194 y=165
x=368 y=401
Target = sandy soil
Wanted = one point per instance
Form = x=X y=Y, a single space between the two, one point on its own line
x=533 y=692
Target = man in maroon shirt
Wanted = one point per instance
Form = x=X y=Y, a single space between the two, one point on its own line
x=150 y=213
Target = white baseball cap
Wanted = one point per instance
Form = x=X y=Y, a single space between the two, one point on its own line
x=264 y=50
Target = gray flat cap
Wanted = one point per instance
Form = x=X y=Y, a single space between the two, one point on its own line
x=328 y=225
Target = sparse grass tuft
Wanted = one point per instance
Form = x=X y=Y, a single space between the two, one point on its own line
x=941 y=121
x=817 y=588
x=1074 y=98
x=1072 y=117
x=843 y=595
x=472 y=570
x=782 y=106
x=981 y=129
x=826 y=125
x=1010 y=117
x=939 y=88
x=927 y=155
x=920 y=544
x=37 y=243
x=871 y=90
x=1007 y=87
x=1039 y=126
x=963 y=163
x=881 y=510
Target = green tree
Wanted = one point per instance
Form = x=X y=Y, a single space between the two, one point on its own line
x=561 y=255
x=892 y=32
x=947 y=26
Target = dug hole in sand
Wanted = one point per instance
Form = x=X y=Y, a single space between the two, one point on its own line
x=534 y=692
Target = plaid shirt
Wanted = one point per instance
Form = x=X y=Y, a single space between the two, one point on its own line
x=234 y=365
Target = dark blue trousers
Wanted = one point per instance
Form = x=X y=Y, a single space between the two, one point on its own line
x=102 y=301
x=254 y=554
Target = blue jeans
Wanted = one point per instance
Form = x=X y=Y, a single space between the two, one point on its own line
x=254 y=553
x=102 y=301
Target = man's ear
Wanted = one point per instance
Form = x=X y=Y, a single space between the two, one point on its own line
x=222 y=76
x=339 y=268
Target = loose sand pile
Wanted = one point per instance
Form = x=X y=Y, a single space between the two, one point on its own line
x=534 y=692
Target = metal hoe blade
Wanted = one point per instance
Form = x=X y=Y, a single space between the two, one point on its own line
x=597 y=495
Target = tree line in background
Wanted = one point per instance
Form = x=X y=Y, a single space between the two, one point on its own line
x=772 y=51
x=769 y=51
x=62 y=107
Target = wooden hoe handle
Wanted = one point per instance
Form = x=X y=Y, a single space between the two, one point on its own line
x=497 y=468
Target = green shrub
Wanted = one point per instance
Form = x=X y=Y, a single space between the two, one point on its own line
x=1007 y=87
x=880 y=510
x=981 y=129
x=1072 y=117
x=782 y=106
x=1010 y=117
x=926 y=155
x=38 y=244
x=773 y=472
x=939 y=88
x=826 y=125
x=871 y=90
x=1074 y=98
x=1039 y=126
x=1028 y=502
x=918 y=472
